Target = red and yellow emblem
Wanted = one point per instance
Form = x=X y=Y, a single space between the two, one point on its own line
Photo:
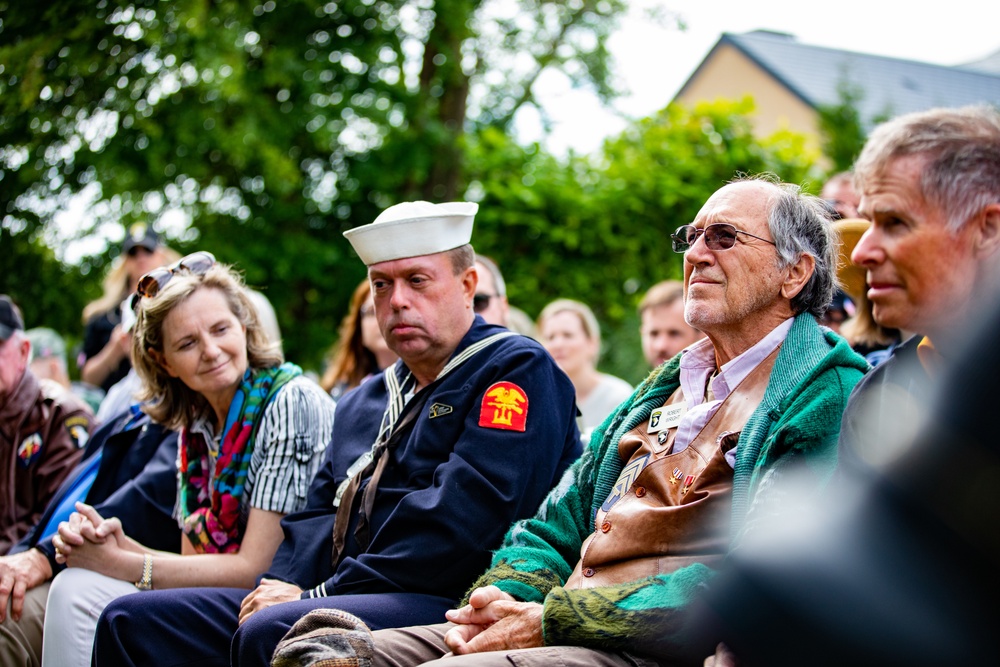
x=30 y=448
x=505 y=406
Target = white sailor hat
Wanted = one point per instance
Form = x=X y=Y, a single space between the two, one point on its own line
x=412 y=229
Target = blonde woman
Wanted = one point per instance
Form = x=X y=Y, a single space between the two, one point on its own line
x=104 y=358
x=253 y=434
x=570 y=333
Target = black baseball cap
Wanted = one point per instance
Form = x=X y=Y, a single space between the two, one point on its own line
x=10 y=318
x=141 y=234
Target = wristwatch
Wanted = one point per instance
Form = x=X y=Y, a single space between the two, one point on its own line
x=146 y=583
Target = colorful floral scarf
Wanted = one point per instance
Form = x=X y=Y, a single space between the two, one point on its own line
x=210 y=509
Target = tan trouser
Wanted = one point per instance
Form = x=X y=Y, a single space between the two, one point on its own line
x=409 y=647
x=21 y=641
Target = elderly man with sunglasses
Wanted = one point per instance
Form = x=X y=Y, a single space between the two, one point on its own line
x=429 y=463
x=606 y=571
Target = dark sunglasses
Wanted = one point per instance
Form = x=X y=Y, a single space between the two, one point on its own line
x=481 y=302
x=718 y=236
x=136 y=249
x=151 y=283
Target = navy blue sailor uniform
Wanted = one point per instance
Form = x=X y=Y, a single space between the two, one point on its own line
x=483 y=446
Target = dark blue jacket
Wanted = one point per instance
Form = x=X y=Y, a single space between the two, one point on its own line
x=136 y=482
x=452 y=487
x=898 y=383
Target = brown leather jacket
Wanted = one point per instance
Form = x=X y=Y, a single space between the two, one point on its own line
x=43 y=429
x=674 y=508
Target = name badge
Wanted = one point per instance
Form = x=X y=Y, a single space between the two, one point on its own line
x=666 y=417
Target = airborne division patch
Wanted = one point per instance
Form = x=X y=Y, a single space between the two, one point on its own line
x=77 y=427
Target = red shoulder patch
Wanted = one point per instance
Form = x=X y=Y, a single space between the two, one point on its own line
x=505 y=406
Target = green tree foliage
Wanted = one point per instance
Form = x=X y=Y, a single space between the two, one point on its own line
x=841 y=127
x=240 y=117
x=479 y=65
x=272 y=127
x=48 y=292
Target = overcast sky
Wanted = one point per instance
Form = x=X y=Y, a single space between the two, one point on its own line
x=654 y=62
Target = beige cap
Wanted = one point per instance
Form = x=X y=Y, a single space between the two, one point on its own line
x=851 y=276
x=412 y=229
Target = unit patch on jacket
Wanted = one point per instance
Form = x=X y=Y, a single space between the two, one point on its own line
x=505 y=406
x=439 y=410
x=77 y=427
x=29 y=450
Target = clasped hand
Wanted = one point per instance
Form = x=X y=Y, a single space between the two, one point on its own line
x=494 y=621
x=89 y=540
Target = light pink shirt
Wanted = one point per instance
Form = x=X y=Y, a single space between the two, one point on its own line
x=697 y=364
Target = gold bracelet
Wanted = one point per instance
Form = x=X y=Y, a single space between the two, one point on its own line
x=146 y=583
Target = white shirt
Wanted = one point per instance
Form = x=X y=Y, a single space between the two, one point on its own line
x=600 y=402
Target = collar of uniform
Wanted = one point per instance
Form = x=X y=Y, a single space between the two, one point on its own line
x=19 y=402
x=478 y=331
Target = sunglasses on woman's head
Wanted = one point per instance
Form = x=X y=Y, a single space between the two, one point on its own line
x=718 y=236
x=197 y=263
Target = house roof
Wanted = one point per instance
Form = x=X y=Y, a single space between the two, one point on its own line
x=890 y=86
x=990 y=64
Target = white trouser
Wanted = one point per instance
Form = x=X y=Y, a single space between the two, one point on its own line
x=76 y=599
